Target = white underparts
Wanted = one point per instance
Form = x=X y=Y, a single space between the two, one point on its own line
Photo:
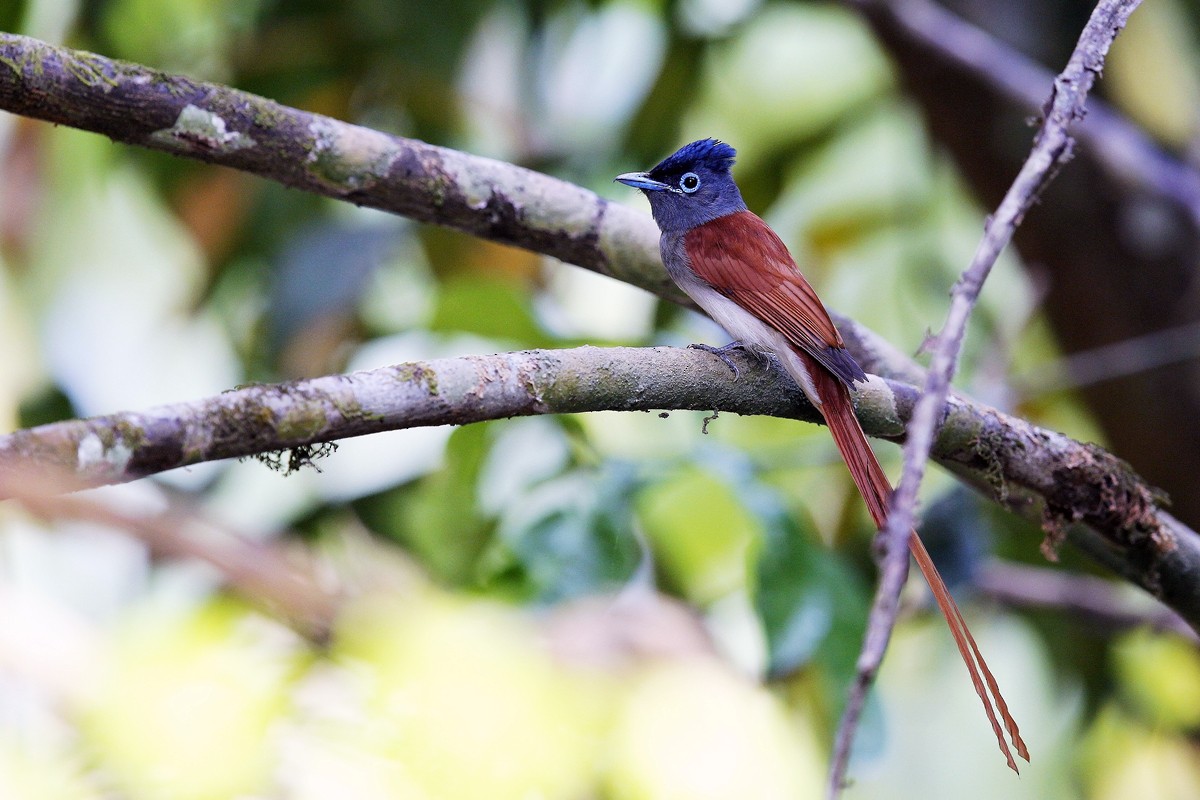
x=752 y=332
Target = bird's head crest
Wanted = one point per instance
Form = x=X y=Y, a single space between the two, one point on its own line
x=711 y=154
x=691 y=186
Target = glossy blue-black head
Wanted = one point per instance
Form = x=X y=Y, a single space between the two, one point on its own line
x=691 y=186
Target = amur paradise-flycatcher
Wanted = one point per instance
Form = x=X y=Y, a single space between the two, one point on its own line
x=740 y=272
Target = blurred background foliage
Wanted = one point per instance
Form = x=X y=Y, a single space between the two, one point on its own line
x=613 y=605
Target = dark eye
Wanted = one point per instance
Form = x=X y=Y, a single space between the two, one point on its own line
x=690 y=182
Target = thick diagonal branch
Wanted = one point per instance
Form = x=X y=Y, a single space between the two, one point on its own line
x=137 y=105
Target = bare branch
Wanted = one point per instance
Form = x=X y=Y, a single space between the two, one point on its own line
x=1051 y=150
x=454 y=391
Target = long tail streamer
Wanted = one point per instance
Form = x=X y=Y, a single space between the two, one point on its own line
x=876 y=490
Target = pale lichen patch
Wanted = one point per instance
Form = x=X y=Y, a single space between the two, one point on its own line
x=541 y=204
x=476 y=179
x=349 y=157
x=301 y=422
x=197 y=129
x=877 y=407
x=91 y=70
x=92 y=453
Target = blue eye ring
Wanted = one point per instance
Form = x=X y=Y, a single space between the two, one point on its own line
x=690 y=182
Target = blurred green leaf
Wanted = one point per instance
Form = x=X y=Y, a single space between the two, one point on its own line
x=811 y=604
x=438 y=517
x=48 y=405
x=190 y=36
x=692 y=729
x=793 y=70
x=13 y=13
x=457 y=700
x=571 y=535
x=700 y=532
x=875 y=171
x=184 y=692
x=32 y=773
x=1153 y=71
x=1121 y=758
x=1161 y=675
x=497 y=309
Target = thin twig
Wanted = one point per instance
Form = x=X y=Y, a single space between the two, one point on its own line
x=1051 y=150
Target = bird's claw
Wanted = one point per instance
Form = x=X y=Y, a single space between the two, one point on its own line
x=723 y=354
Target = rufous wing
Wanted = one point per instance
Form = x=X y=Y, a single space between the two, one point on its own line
x=743 y=259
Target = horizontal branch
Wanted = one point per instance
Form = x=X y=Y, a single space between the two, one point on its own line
x=453 y=391
x=1038 y=473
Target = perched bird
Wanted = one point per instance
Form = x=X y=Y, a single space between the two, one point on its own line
x=739 y=271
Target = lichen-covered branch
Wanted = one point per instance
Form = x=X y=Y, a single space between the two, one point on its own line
x=1064 y=485
x=455 y=391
